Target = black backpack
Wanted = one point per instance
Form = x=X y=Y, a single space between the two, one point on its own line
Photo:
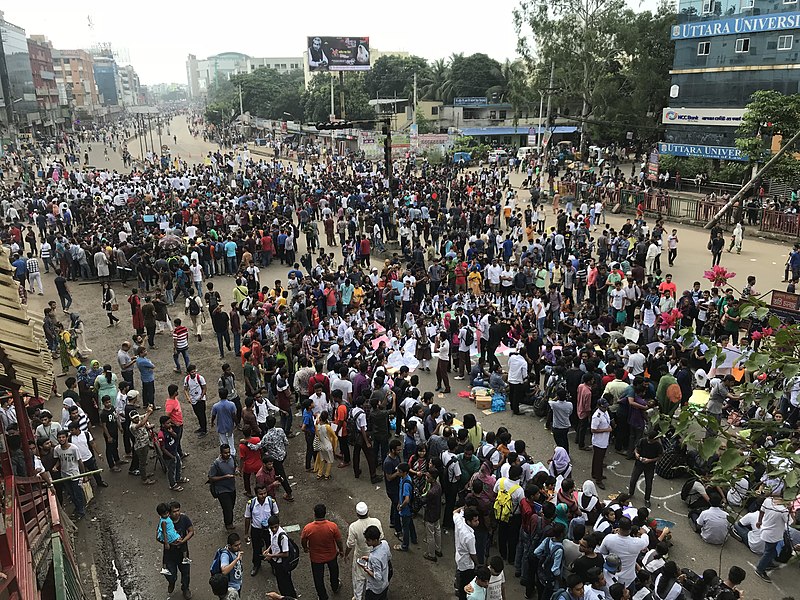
x=353 y=432
x=545 y=571
x=291 y=562
x=194 y=307
x=469 y=336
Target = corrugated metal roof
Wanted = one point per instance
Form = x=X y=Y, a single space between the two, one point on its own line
x=22 y=335
x=518 y=130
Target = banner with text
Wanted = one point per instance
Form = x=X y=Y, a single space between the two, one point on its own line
x=729 y=117
x=694 y=150
x=338 y=53
x=736 y=25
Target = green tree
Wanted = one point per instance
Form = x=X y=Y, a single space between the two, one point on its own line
x=593 y=44
x=774 y=367
x=437 y=84
x=474 y=75
x=771 y=114
x=266 y=93
x=424 y=125
x=393 y=76
x=316 y=99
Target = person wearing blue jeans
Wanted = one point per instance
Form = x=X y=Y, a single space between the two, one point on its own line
x=773 y=519
x=404 y=508
x=69 y=464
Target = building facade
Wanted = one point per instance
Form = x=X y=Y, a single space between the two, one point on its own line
x=74 y=70
x=44 y=80
x=22 y=91
x=131 y=89
x=203 y=74
x=724 y=51
x=108 y=80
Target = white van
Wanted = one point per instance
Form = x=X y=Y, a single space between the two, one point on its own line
x=499 y=157
x=525 y=152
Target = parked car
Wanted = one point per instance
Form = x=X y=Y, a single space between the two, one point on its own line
x=498 y=157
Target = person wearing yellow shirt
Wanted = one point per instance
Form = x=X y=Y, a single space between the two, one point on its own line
x=475 y=280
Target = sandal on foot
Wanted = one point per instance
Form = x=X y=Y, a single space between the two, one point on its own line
x=176 y=488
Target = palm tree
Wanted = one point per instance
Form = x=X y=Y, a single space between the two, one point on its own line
x=438 y=84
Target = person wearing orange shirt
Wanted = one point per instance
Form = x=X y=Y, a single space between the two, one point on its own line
x=322 y=541
x=667 y=284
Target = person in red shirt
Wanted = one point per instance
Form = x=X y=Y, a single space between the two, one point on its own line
x=584 y=406
x=322 y=540
x=364 y=250
x=250 y=461
x=319 y=377
x=667 y=284
x=172 y=408
x=268 y=476
x=267 y=249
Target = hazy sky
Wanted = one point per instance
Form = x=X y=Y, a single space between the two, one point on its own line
x=158 y=35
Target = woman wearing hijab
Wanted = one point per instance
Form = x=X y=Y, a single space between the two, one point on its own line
x=68 y=404
x=560 y=464
x=334 y=356
x=562 y=514
x=76 y=324
x=474 y=431
x=589 y=502
x=486 y=476
x=106 y=385
x=86 y=379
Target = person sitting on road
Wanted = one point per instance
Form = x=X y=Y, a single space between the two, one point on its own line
x=712 y=524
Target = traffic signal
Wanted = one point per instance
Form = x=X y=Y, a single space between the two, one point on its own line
x=335 y=125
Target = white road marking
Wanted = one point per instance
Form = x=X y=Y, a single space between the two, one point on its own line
x=773 y=583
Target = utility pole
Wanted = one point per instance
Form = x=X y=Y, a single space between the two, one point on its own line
x=414 y=110
x=137 y=124
x=150 y=127
x=732 y=202
x=241 y=110
x=333 y=112
x=341 y=94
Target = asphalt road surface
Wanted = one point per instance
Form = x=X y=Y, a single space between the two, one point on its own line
x=119 y=534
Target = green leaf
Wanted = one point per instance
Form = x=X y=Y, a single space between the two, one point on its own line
x=709 y=446
x=762 y=312
x=730 y=459
x=774 y=322
x=790 y=481
x=746 y=311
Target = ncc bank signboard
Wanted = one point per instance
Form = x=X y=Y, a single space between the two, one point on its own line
x=697 y=151
x=736 y=25
x=730 y=117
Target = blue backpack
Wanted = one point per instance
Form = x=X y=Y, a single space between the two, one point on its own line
x=216 y=564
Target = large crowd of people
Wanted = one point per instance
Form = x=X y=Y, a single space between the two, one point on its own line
x=471 y=271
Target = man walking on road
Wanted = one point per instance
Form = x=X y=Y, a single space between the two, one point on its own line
x=357 y=546
x=194 y=390
x=223 y=413
x=322 y=541
x=222 y=476
x=601 y=434
x=173 y=557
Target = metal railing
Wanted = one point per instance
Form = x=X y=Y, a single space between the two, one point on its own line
x=776 y=221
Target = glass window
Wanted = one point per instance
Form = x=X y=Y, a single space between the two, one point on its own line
x=743 y=45
x=708 y=6
x=434 y=110
x=492 y=114
x=703 y=48
x=785 y=42
x=747 y=4
x=503 y=114
x=790 y=1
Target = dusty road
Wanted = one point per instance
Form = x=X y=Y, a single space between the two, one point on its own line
x=120 y=530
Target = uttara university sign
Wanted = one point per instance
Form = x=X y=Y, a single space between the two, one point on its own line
x=736 y=25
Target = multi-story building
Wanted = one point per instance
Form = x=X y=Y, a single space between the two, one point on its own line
x=724 y=51
x=24 y=107
x=74 y=71
x=44 y=80
x=130 y=92
x=203 y=74
x=107 y=77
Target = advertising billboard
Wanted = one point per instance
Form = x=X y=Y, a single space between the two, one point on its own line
x=730 y=117
x=338 y=53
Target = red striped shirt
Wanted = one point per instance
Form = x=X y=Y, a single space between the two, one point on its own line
x=181 y=337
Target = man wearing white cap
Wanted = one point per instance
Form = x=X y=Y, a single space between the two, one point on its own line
x=357 y=546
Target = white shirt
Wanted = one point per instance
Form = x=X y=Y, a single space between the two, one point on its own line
x=259 y=513
x=194 y=385
x=754 y=541
x=601 y=420
x=517 y=369
x=713 y=523
x=279 y=542
x=774 y=521
x=493 y=272
x=444 y=350
x=636 y=363
x=81 y=442
x=628 y=549
x=197 y=272
x=464 y=542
